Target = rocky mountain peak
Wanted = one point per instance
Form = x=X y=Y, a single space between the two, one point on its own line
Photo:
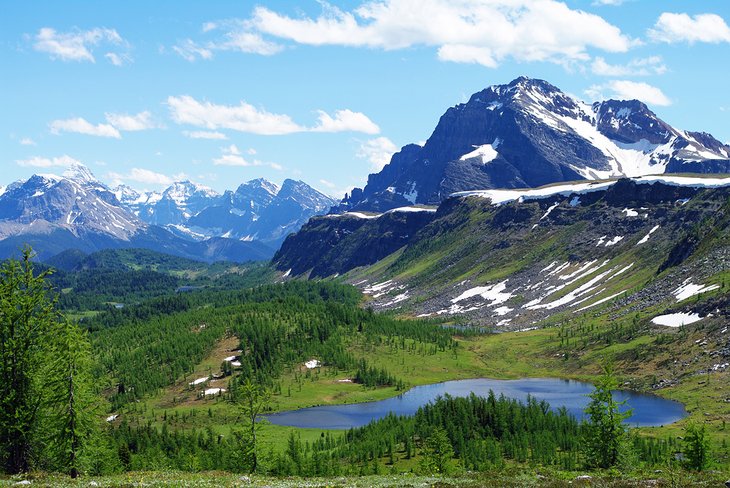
x=80 y=173
x=528 y=133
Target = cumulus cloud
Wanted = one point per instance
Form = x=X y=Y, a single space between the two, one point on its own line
x=672 y=28
x=345 y=120
x=613 y=3
x=83 y=126
x=126 y=122
x=204 y=134
x=653 y=65
x=245 y=117
x=27 y=141
x=79 y=45
x=629 y=90
x=42 y=162
x=242 y=117
x=466 y=31
x=145 y=176
x=377 y=151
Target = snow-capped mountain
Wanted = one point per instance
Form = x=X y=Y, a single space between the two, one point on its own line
x=260 y=210
x=257 y=210
x=174 y=206
x=75 y=202
x=76 y=211
x=528 y=133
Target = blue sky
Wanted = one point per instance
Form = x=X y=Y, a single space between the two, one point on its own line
x=221 y=92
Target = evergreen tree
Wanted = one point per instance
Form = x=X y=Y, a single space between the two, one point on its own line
x=438 y=453
x=253 y=399
x=696 y=447
x=70 y=399
x=604 y=432
x=27 y=316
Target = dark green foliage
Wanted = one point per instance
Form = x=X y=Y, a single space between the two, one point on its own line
x=150 y=346
x=696 y=447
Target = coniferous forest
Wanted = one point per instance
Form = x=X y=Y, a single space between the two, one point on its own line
x=83 y=396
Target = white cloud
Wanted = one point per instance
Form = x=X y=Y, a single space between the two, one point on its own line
x=78 y=45
x=328 y=184
x=653 y=65
x=613 y=3
x=27 y=141
x=82 y=126
x=205 y=134
x=41 y=162
x=190 y=51
x=238 y=37
x=377 y=151
x=145 y=176
x=467 y=31
x=345 y=120
x=629 y=90
x=460 y=53
x=245 y=117
x=126 y=122
x=118 y=59
x=671 y=28
x=232 y=156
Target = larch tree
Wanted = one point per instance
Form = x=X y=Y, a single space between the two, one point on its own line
x=27 y=316
x=604 y=431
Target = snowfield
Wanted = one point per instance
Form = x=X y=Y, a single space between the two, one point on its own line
x=676 y=319
x=500 y=197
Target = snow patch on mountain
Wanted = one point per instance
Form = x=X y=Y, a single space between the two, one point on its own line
x=485 y=153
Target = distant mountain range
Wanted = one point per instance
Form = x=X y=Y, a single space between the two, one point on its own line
x=527 y=134
x=76 y=211
x=257 y=211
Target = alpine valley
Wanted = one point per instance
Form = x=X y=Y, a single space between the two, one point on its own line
x=582 y=250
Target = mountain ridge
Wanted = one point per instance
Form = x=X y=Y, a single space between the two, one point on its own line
x=76 y=211
x=528 y=133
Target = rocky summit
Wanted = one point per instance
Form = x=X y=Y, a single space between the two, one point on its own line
x=528 y=133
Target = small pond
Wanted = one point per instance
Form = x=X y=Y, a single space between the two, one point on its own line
x=648 y=410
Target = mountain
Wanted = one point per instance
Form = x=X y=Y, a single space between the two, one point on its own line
x=75 y=211
x=75 y=202
x=258 y=209
x=509 y=259
x=174 y=206
x=527 y=134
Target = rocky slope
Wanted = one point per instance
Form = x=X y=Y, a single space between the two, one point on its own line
x=511 y=259
x=528 y=133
